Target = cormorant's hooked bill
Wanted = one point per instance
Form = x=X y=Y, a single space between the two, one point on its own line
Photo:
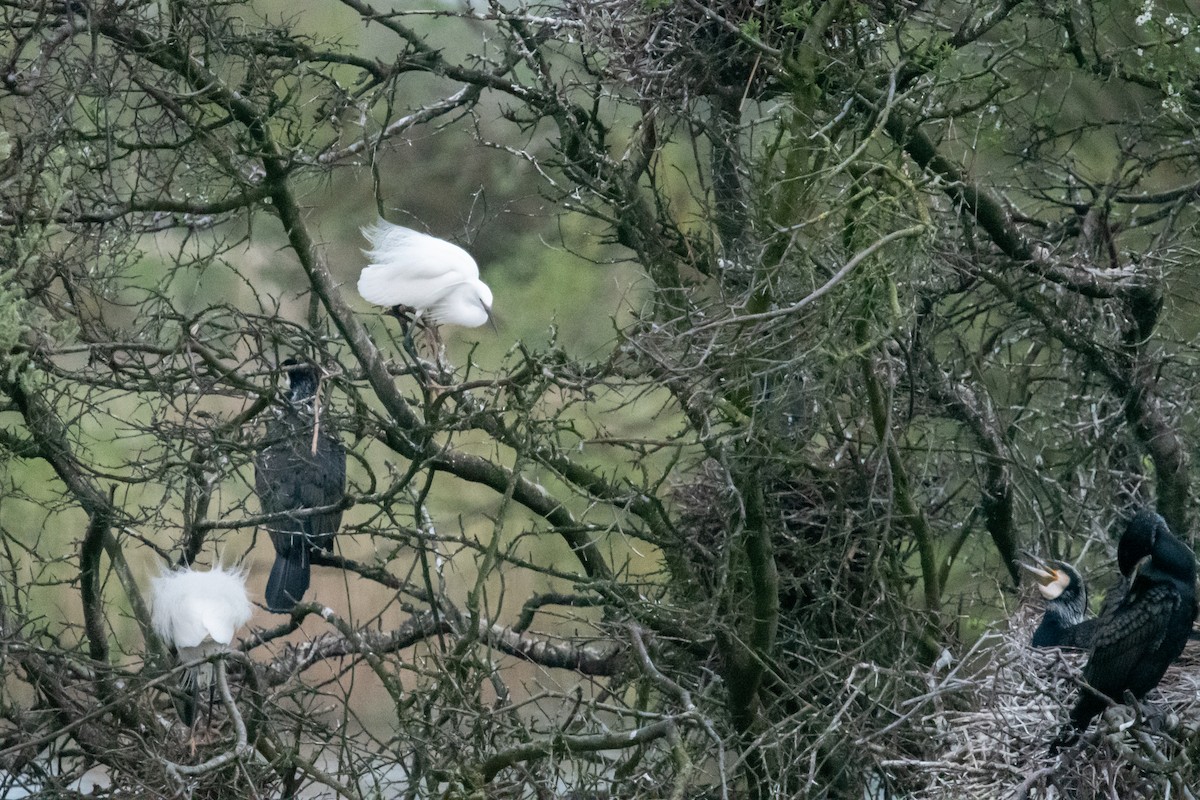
x=1066 y=603
x=298 y=469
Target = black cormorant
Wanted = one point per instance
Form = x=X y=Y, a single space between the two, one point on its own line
x=301 y=465
x=1135 y=642
x=1063 y=623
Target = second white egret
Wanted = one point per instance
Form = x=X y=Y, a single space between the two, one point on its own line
x=198 y=613
x=438 y=282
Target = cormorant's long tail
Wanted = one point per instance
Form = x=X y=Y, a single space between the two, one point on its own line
x=289 y=579
x=1089 y=706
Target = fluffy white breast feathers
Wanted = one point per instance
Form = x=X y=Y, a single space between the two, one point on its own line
x=199 y=612
x=436 y=279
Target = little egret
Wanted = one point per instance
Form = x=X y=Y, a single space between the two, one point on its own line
x=413 y=273
x=301 y=466
x=198 y=613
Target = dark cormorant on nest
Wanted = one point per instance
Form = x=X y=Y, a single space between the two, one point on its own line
x=300 y=466
x=1135 y=642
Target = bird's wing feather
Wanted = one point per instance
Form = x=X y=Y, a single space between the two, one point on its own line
x=1114 y=597
x=219 y=622
x=278 y=485
x=275 y=475
x=1135 y=628
x=387 y=285
x=291 y=477
x=324 y=485
x=418 y=255
x=1081 y=636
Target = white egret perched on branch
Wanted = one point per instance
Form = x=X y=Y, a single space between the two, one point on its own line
x=424 y=277
x=198 y=613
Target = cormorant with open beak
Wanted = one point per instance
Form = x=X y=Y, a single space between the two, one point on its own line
x=301 y=466
x=1063 y=623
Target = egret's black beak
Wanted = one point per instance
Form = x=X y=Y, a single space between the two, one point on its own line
x=491 y=320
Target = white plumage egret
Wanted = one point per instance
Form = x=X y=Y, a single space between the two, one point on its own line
x=430 y=279
x=301 y=466
x=198 y=613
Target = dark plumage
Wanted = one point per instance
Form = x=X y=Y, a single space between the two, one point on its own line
x=1135 y=642
x=298 y=468
x=1063 y=623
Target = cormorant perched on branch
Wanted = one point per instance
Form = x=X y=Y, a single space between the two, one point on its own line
x=300 y=466
x=1063 y=623
x=1138 y=639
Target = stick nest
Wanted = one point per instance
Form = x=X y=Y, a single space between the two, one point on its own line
x=992 y=741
